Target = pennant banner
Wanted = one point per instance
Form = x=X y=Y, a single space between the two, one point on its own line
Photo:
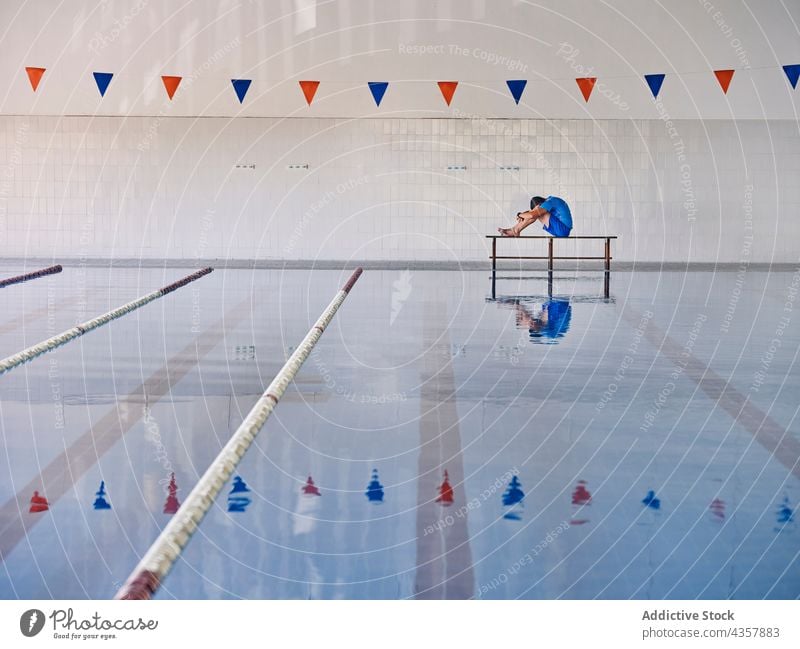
x=724 y=77
x=309 y=90
x=378 y=89
x=241 y=86
x=517 y=87
x=448 y=89
x=654 y=81
x=171 y=85
x=586 y=84
x=792 y=73
x=35 y=76
x=102 y=79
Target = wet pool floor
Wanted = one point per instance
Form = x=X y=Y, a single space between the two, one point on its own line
x=446 y=439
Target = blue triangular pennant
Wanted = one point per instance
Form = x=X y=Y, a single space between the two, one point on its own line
x=654 y=81
x=793 y=72
x=102 y=79
x=517 y=86
x=378 y=89
x=241 y=87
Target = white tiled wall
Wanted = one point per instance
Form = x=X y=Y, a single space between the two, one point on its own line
x=380 y=189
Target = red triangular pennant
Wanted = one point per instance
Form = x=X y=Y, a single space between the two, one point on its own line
x=309 y=90
x=171 y=84
x=724 y=77
x=586 y=84
x=35 y=76
x=448 y=89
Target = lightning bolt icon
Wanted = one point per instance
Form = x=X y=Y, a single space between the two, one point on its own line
x=32 y=621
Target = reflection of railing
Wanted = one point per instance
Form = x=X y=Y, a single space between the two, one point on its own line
x=573 y=299
x=550 y=256
x=606 y=286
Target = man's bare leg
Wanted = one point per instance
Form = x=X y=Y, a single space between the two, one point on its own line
x=524 y=219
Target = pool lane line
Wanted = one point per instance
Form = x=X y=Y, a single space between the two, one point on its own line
x=154 y=566
x=18 y=279
x=9 y=363
x=444 y=557
x=776 y=439
x=61 y=473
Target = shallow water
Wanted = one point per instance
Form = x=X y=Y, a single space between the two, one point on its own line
x=653 y=434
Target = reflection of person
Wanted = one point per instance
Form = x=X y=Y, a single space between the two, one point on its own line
x=553 y=212
x=551 y=322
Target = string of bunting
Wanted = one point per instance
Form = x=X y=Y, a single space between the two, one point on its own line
x=378 y=88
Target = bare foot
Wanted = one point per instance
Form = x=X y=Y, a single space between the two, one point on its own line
x=507 y=232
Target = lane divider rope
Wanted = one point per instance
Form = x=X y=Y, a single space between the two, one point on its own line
x=156 y=563
x=18 y=279
x=9 y=363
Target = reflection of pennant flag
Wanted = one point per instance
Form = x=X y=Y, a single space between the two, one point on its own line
x=375 y=488
x=102 y=79
x=378 y=89
x=171 y=505
x=310 y=489
x=586 y=84
x=448 y=89
x=171 y=84
x=793 y=73
x=516 y=87
x=724 y=77
x=446 y=495
x=654 y=81
x=581 y=495
x=309 y=90
x=241 y=87
x=38 y=503
x=35 y=76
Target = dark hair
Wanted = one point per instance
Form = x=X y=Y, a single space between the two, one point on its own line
x=536 y=201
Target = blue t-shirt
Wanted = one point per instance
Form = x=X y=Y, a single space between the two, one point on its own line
x=558 y=209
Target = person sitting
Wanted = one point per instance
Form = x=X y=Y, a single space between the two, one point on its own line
x=553 y=212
